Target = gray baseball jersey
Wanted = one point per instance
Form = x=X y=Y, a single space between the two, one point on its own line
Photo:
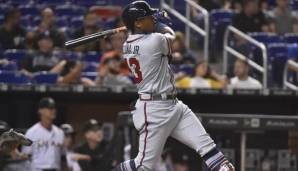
x=156 y=120
x=146 y=56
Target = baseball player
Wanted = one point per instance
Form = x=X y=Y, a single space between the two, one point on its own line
x=46 y=151
x=158 y=113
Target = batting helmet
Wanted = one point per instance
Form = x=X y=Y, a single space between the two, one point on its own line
x=135 y=11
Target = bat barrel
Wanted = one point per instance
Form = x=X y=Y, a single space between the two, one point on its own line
x=92 y=37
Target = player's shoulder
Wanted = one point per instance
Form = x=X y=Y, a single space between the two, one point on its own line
x=157 y=35
x=58 y=130
x=33 y=129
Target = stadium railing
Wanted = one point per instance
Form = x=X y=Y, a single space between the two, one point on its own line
x=290 y=65
x=188 y=23
x=228 y=49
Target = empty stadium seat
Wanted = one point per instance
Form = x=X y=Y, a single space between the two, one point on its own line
x=92 y=57
x=45 y=78
x=76 y=21
x=277 y=57
x=14 y=55
x=71 y=56
x=90 y=67
x=266 y=38
x=218 y=15
x=62 y=22
x=64 y=10
x=11 y=66
x=29 y=10
x=291 y=38
x=90 y=2
x=219 y=21
x=18 y=2
x=293 y=51
x=50 y=2
x=12 y=77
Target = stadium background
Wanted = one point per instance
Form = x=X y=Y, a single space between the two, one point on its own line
x=19 y=94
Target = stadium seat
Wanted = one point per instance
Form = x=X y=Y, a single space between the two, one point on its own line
x=76 y=21
x=19 y=2
x=187 y=69
x=14 y=55
x=277 y=57
x=50 y=2
x=218 y=15
x=45 y=78
x=291 y=38
x=219 y=21
x=12 y=77
x=92 y=57
x=29 y=10
x=36 y=21
x=293 y=51
x=266 y=38
x=90 y=67
x=62 y=21
x=294 y=4
x=90 y=75
x=25 y=21
x=71 y=56
x=11 y=66
x=90 y=2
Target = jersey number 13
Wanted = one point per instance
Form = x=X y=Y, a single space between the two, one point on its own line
x=134 y=67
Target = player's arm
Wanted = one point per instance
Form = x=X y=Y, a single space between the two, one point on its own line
x=166 y=30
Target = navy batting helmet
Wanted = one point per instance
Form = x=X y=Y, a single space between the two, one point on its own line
x=135 y=11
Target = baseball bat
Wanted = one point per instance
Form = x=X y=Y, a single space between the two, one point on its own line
x=92 y=37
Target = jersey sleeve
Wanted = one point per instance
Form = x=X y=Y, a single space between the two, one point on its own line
x=164 y=44
x=28 y=149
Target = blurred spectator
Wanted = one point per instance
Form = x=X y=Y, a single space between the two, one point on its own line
x=110 y=71
x=95 y=147
x=69 y=142
x=47 y=27
x=90 y=26
x=264 y=6
x=226 y=5
x=44 y=59
x=46 y=150
x=117 y=41
x=12 y=35
x=251 y=19
x=204 y=77
x=237 y=6
x=282 y=18
x=242 y=80
x=180 y=53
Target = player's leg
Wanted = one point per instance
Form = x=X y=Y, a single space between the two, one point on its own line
x=151 y=121
x=191 y=132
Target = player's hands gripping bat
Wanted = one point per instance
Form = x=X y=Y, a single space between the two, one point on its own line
x=93 y=37
x=11 y=139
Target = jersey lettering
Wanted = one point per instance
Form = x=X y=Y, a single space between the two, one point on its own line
x=134 y=67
